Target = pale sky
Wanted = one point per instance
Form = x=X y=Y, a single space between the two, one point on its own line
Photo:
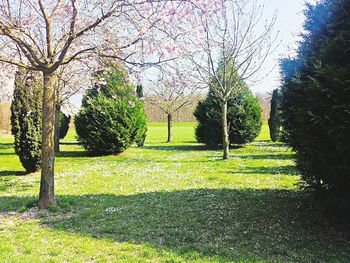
x=289 y=22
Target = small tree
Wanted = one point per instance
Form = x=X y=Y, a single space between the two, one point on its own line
x=243 y=116
x=171 y=93
x=26 y=114
x=275 y=118
x=112 y=117
x=233 y=48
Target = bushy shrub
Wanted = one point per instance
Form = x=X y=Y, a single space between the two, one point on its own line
x=64 y=125
x=316 y=98
x=112 y=117
x=26 y=120
x=243 y=115
x=275 y=117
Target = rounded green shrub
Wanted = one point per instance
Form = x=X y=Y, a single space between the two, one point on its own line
x=26 y=114
x=112 y=117
x=243 y=115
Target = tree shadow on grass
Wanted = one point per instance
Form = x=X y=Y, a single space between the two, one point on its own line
x=286 y=156
x=4 y=146
x=269 y=143
x=176 y=148
x=12 y=173
x=224 y=224
x=189 y=147
x=73 y=154
x=70 y=143
x=275 y=170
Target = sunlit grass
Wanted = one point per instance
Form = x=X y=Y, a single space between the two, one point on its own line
x=177 y=202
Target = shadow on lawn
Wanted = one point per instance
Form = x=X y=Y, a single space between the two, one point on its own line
x=269 y=143
x=226 y=224
x=72 y=154
x=177 y=148
x=267 y=156
x=281 y=170
x=188 y=147
x=12 y=173
x=4 y=146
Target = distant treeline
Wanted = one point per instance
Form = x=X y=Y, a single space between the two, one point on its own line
x=154 y=114
x=5 y=114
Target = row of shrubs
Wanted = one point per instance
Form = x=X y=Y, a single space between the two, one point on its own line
x=112 y=117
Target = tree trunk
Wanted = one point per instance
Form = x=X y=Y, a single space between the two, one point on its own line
x=225 y=135
x=57 y=127
x=170 y=125
x=47 y=190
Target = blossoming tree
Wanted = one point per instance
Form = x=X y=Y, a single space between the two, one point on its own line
x=44 y=35
x=171 y=92
x=232 y=46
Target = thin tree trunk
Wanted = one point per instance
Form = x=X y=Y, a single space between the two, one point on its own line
x=170 y=125
x=225 y=135
x=47 y=190
x=57 y=127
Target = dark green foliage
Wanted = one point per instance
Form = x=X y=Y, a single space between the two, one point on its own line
x=112 y=117
x=64 y=125
x=26 y=120
x=244 y=118
x=140 y=140
x=139 y=91
x=316 y=98
x=275 y=118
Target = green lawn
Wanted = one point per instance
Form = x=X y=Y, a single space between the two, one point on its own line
x=173 y=202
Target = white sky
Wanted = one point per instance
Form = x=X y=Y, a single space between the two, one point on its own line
x=290 y=18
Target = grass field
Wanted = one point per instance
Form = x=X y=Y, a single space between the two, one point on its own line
x=173 y=202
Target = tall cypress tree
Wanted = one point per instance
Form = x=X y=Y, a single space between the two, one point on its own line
x=140 y=140
x=316 y=96
x=26 y=114
x=275 y=119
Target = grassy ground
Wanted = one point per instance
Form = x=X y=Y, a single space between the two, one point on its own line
x=173 y=202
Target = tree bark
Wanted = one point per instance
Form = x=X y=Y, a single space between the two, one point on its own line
x=57 y=127
x=170 y=125
x=225 y=135
x=47 y=190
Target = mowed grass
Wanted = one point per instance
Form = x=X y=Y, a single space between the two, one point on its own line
x=177 y=202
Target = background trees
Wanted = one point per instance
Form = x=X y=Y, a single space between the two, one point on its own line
x=112 y=117
x=316 y=96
